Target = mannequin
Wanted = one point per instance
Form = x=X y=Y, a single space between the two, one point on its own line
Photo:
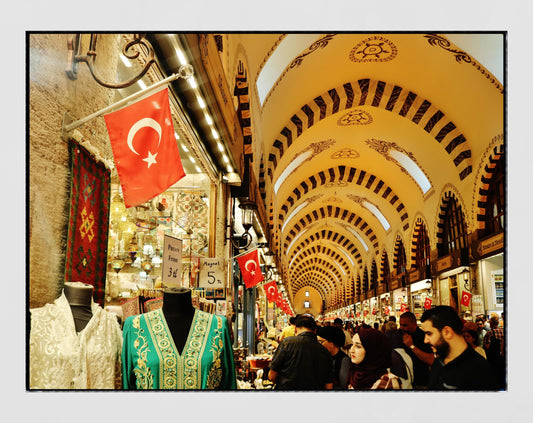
x=74 y=343
x=79 y=296
x=179 y=313
x=177 y=346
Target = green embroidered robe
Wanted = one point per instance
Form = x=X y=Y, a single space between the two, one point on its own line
x=150 y=359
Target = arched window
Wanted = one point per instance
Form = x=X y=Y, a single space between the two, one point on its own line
x=422 y=248
x=365 y=281
x=374 y=275
x=385 y=268
x=454 y=233
x=494 y=216
x=358 y=286
x=401 y=259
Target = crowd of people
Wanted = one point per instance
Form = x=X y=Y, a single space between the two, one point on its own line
x=444 y=352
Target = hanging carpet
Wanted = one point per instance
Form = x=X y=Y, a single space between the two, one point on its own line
x=86 y=257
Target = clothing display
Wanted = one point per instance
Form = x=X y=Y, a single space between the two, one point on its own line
x=150 y=359
x=61 y=358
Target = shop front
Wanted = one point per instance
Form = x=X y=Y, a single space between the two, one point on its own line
x=489 y=275
x=454 y=282
x=399 y=298
x=421 y=292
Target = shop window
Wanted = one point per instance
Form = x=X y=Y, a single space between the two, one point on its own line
x=422 y=248
x=136 y=237
x=494 y=214
x=454 y=234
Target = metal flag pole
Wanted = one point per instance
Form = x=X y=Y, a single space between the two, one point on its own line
x=185 y=71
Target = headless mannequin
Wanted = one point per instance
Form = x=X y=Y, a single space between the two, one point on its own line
x=179 y=313
x=79 y=296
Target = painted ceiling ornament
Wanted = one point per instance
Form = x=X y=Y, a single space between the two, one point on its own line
x=320 y=43
x=374 y=49
x=346 y=153
x=384 y=147
x=332 y=200
x=355 y=117
x=461 y=56
x=336 y=184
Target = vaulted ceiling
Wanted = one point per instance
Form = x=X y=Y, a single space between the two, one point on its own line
x=335 y=139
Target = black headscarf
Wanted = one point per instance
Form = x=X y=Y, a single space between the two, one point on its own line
x=377 y=359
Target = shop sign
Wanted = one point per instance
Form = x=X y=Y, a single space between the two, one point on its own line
x=490 y=245
x=381 y=288
x=171 y=268
x=395 y=283
x=414 y=276
x=444 y=263
x=211 y=272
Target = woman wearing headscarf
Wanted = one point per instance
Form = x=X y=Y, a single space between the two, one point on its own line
x=370 y=355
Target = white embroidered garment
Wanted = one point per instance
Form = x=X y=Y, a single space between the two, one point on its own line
x=61 y=358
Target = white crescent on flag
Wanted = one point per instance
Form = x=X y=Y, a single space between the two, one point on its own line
x=252 y=272
x=143 y=123
x=271 y=290
x=465 y=298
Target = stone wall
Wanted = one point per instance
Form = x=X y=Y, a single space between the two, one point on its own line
x=51 y=95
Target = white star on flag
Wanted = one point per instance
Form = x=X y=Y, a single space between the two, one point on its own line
x=150 y=159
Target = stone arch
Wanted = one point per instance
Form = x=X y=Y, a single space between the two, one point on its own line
x=333 y=212
x=497 y=154
x=345 y=175
x=399 y=240
x=419 y=221
x=384 y=95
x=445 y=200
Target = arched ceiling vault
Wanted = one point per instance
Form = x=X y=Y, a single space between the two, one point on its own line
x=358 y=136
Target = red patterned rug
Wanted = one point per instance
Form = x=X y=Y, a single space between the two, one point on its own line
x=86 y=259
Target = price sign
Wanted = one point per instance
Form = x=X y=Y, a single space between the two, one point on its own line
x=211 y=273
x=171 y=269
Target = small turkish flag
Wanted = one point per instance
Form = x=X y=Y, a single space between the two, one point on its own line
x=144 y=147
x=465 y=299
x=403 y=307
x=270 y=291
x=427 y=303
x=250 y=270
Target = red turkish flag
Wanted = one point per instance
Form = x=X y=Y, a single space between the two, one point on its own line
x=270 y=290
x=279 y=299
x=403 y=307
x=465 y=299
x=144 y=147
x=427 y=303
x=250 y=270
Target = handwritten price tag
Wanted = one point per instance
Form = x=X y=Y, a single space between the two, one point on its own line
x=171 y=269
x=211 y=273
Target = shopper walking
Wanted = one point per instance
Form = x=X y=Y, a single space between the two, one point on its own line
x=288 y=330
x=371 y=357
x=300 y=362
x=332 y=338
x=457 y=366
x=470 y=335
x=420 y=353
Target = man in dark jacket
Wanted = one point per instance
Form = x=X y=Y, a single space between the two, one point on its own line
x=457 y=366
x=300 y=362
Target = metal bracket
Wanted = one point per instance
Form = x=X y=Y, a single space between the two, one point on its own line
x=74 y=57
